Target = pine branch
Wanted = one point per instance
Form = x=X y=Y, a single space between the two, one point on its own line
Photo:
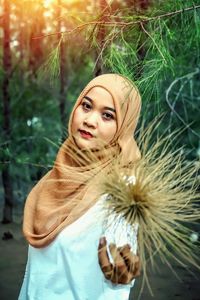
x=142 y=26
x=122 y=24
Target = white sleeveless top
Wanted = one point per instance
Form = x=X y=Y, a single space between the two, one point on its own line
x=68 y=268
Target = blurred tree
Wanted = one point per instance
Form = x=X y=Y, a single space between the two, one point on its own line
x=36 y=30
x=62 y=64
x=140 y=6
x=6 y=174
x=104 y=11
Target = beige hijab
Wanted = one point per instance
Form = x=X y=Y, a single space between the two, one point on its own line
x=67 y=191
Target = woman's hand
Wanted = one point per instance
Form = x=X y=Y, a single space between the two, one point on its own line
x=125 y=267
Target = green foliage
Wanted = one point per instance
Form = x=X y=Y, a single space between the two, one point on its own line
x=161 y=54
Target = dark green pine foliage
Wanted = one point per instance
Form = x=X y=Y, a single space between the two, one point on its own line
x=160 y=51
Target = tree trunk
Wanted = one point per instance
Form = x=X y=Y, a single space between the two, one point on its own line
x=35 y=44
x=6 y=178
x=101 y=34
x=139 y=6
x=62 y=83
x=62 y=62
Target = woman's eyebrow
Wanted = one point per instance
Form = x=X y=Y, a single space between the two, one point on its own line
x=106 y=107
x=88 y=98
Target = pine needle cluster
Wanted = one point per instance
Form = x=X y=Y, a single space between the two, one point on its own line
x=160 y=194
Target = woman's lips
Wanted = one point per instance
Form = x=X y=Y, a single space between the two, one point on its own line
x=85 y=134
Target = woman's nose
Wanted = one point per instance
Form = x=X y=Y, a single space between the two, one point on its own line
x=91 y=120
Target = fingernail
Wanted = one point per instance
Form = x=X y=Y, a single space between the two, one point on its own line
x=127 y=246
x=102 y=241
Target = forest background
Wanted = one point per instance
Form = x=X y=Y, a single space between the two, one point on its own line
x=50 y=49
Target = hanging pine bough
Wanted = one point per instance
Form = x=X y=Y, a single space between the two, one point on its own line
x=51 y=67
x=160 y=194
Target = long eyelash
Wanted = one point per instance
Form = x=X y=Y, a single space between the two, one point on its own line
x=84 y=103
x=111 y=117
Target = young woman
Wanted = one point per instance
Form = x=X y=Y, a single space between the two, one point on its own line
x=70 y=255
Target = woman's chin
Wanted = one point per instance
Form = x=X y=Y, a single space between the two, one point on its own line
x=84 y=144
x=92 y=144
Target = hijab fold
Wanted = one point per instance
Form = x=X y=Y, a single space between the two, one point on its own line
x=68 y=190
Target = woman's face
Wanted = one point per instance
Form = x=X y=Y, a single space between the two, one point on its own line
x=94 y=120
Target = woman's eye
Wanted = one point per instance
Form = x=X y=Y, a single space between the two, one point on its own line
x=86 y=106
x=108 y=116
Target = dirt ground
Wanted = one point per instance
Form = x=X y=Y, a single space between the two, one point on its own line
x=165 y=285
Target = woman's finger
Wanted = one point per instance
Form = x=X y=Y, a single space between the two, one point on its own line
x=120 y=268
x=117 y=257
x=104 y=262
x=132 y=261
